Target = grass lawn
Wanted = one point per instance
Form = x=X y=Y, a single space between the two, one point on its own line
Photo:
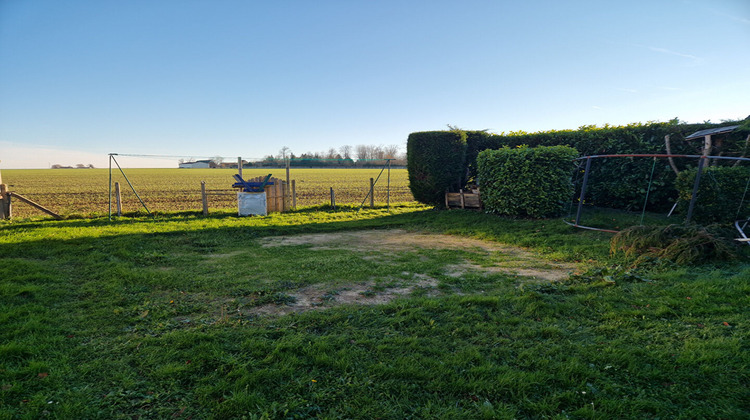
x=304 y=315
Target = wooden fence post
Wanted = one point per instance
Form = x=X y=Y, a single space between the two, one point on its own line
x=463 y=199
x=204 y=198
x=118 y=198
x=3 y=198
x=269 y=203
x=333 y=199
x=287 y=199
x=239 y=168
x=285 y=194
x=294 y=195
x=372 y=192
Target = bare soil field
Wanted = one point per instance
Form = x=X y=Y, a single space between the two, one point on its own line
x=86 y=191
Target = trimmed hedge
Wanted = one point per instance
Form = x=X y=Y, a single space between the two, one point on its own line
x=620 y=182
x=527 y=182
x=614 y=182
x=435 y=161
x=720 y=194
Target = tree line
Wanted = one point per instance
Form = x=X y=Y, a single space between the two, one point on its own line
x=345 y=156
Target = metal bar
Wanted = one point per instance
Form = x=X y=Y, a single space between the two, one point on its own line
x=131 y=186
x=666 y=156
x=694 y=197
x=648 y=191
x=742 y=230
x=590 y=228
x=583 y=190
x=388 y=188
x=110 y=186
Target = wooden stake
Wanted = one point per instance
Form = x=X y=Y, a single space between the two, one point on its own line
x=333 y=199
x=372 y=192
x=204 y=198
x=118 y=198
x=294 y=195
x=239 y=167
x=286 y=190
x=33 y=204
x=3 y=198
x=279 y=196
x=463 y=200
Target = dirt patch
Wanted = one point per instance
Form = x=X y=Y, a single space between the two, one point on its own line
x=515 y=261
x=317 y=297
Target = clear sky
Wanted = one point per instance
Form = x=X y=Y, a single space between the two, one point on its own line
x=81 y=79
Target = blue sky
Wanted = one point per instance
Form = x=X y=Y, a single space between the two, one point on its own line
x=81 y=79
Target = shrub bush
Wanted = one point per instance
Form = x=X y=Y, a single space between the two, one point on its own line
x=435 y=161
x=527 y=182
x=721 y=194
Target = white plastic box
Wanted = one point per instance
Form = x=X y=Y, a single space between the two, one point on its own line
x=251 y=204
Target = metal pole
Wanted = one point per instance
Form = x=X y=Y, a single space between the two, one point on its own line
x=583 y=190
x=697 y=183
x=388 y=187
x=110 y=186
x=132 y=187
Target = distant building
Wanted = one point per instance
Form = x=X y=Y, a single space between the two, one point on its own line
x=197 y=164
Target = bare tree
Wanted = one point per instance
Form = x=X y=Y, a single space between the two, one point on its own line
x=391 y=151
x=346 y=151
x=331 y=154
x=377 y=152
x=362 y=152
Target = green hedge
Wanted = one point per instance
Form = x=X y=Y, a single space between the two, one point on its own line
x=721 y=194
x=527 y=182
x=435 y=161
x=614 y=182
x=621 y=182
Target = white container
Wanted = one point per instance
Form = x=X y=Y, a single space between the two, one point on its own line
x=251 y=204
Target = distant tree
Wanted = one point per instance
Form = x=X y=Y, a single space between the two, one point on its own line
x=362 y=152
x=391 y=151
x=80 y=166
x=91 y=166
x=346 y=151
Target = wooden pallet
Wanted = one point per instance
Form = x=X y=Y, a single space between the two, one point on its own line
x=463 y=200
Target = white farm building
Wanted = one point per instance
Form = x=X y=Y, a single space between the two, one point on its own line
x=196 y=164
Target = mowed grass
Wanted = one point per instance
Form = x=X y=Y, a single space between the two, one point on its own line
x=72 y=192
x=153 y=318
